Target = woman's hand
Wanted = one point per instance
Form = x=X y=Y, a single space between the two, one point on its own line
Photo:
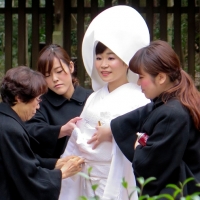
x=61 y=161
x=102 y=134
x=66 y=130
x=71 y=167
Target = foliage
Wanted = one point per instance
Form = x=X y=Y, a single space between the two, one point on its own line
x=87 y=20
x=156 y=31
x=178 y=189
x=94 y=187
x=15 y=47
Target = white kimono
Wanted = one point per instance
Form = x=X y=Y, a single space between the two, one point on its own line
x=108 y=163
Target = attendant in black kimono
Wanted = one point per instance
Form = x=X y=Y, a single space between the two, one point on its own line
x=24 y=175
x=171 y=120
x=64 y=100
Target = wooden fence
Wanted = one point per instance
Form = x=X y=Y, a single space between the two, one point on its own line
x=164 y=19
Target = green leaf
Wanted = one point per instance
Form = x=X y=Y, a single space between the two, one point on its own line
x=138 y=190
x=82 y=198
x=124 y=183
x=130 y=195
x=149 y=180
x=94 y=198
x=186 y=198
x=83 y=175
x=173 y=186
x=167 y=196
x=195 y=194
x=94 y=187
x=176 y=193
x=181 y=185
x=89 y=170
x=197 y=197
x=143 y=197
x=154 y=198
x=187 y=180
x=141 y=180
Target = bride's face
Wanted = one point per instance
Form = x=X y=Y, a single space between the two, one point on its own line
x=111 y=68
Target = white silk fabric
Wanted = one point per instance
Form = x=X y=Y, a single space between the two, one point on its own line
x=123 y=30
x=108 y=163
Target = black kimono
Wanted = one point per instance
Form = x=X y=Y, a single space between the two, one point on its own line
x=172 y=151
x=22 y=175
x=54 y=112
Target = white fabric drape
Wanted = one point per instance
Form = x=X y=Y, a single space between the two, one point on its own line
x=108 y=163
x=123 y=30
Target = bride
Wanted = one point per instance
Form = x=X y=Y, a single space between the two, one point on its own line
x=108 y=45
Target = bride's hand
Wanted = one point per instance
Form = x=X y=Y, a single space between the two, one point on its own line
x=102 y=134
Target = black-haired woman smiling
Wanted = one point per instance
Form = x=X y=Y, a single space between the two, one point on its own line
x=23 y=176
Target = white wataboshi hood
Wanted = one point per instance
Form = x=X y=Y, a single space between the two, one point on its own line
x=123 y=30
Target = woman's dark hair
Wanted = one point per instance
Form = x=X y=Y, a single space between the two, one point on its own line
x=24 y=83
x=100 y=48
x=46 y=58
x=160 y=57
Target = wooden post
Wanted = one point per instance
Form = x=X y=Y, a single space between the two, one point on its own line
x=35 y=33
x=22 y=33
x=58 y=29
x=80 y=33
x=8 y=35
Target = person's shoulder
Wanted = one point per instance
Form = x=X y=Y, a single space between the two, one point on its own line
x=6 y=120
x=175 y=109
x=5 y=126
x=84 y=90
x=176 y=105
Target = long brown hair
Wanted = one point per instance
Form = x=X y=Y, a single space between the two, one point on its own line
x=47 y=55
x=160 y=57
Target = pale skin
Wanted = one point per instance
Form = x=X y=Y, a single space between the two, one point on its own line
x=26 y=110
x=111 y=69
x=151 y=87
x=69 y=165
x=59 y=80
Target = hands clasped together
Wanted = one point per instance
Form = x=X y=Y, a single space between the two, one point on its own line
x=69 y=165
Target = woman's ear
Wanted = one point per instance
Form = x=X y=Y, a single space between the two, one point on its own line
x=17 y=99
x=71 y=67
x=161 y=78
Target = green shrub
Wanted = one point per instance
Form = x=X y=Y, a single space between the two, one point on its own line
x=178 y=189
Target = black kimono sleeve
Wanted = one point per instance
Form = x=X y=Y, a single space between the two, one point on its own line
x=24 y=174
x=48 y=163
x=162 y=157
x=44 y=136
x=125 y=127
